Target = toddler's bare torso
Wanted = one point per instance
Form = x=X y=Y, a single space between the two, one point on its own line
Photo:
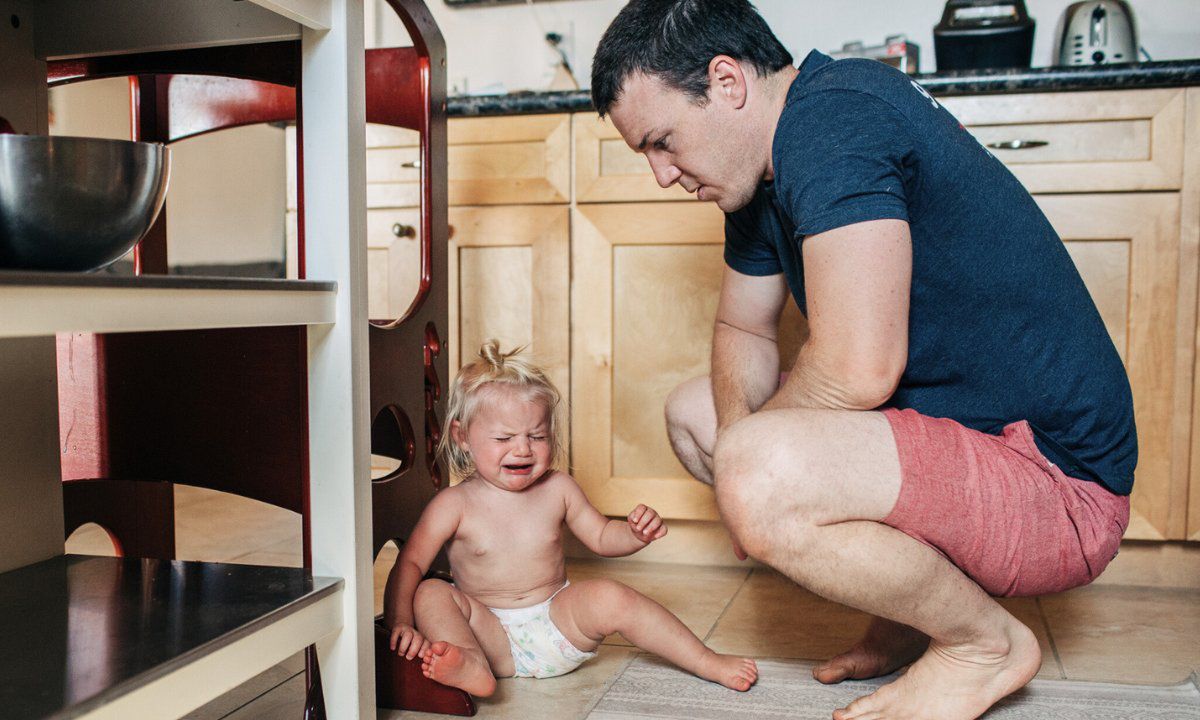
x=507 y=551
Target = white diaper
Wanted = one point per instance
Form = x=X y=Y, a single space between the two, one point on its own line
x=539 y=649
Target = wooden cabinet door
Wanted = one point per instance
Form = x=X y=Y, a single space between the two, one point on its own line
x=1127 y=248
x=510 y=278
x=606 y=170
x=646 y=280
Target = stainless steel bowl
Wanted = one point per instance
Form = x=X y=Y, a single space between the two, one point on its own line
x=69 y=203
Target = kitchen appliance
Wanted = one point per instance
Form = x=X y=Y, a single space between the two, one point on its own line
x=977 y=34
x=1098 y=32
x=80 y=203
x=897 y=51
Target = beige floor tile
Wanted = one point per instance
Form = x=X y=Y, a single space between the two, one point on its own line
x=773 y=617
x=1126 y=634
x=285 y=553
x=218 y=527
x=285 y=702
x=567 y=697
x=696 y=595
x=90 y=539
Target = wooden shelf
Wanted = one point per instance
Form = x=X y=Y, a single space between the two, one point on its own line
x=104 y=637
x=34 y=303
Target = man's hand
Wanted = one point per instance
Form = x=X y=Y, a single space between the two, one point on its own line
x=646 y=525
x=407 y=642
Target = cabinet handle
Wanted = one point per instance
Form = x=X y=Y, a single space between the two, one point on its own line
x=401 y=230
x=412 y=164
x=1017 y=144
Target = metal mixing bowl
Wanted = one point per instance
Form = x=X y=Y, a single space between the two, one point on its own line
x=69 y=203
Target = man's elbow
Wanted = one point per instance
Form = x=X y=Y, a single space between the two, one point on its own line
x=866 y=386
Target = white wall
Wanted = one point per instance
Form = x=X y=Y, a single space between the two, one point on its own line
x=501 y=48
x=226 y=199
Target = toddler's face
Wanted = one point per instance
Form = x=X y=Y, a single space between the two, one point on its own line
x=509 y=439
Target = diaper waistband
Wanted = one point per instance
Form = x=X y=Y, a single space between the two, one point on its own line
x=516 y=616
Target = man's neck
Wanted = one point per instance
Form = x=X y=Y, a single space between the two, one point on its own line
x=776 y=90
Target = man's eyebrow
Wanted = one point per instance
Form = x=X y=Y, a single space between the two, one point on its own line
x=645 y=139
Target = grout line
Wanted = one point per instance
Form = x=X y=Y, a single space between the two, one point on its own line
x=1062 y=671
x=711 y=630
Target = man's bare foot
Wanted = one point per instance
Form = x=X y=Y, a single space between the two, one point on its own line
x=458 y=667
x=886 y=647
x=953 y=682
x=735 y=673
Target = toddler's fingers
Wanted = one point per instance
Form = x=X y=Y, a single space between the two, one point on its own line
x=636 y=514
x=394 y=638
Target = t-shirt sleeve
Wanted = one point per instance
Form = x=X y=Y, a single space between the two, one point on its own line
x=839 y=160
x=746 y=249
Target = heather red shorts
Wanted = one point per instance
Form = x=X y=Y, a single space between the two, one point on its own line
x=999 y=510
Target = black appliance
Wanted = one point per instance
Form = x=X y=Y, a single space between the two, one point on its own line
x=977 y=34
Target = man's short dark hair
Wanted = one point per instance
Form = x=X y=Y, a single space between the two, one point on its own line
x=675 y=40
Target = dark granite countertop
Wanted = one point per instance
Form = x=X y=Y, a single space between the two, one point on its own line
x=1173 y=73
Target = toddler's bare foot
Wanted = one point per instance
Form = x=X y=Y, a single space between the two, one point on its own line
x=886 y=647
x=953 y=682
x=735 y=673
x=458 y=667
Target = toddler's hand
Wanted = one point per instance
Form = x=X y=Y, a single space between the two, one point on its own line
x=407 y=642
x=645 y=524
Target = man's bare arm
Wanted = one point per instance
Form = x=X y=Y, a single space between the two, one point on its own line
x=745 y=356
x=857 y=281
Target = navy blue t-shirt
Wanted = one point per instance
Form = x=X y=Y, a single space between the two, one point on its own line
x=1001 y=326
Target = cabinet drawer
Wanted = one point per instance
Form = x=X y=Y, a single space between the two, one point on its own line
x=492 y=161
x=606 y=170
x=1082 y=141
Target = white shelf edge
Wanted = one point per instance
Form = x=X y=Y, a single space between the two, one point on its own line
x=314 y=14
x=38 y=310
x=219 y=672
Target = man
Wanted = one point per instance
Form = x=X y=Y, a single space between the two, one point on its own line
x=957 y=425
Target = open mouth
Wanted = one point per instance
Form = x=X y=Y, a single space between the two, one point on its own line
x=518 y=468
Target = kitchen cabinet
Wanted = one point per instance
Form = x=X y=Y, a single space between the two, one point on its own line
x=1114 y=171
x=94 y=607
x=1117 y=173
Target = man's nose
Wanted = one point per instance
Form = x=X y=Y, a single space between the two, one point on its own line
x=664 y=172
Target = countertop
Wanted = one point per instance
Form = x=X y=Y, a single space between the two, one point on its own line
x=1173 y=73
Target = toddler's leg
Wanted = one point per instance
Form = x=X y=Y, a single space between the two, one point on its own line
x=469 y=647
x=588 y=611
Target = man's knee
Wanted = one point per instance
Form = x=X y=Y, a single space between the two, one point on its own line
x=690 y=403
x=742 y=482
x=760 y=485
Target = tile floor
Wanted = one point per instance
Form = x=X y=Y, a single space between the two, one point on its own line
x=1108 y=632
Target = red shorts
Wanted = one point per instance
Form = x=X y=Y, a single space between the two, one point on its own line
x=999 y=510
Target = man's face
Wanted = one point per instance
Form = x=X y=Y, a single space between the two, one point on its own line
x=709 y=149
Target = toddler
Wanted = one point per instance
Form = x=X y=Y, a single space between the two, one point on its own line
x=510 y=611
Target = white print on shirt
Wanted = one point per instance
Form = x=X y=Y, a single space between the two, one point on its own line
x=925 y=93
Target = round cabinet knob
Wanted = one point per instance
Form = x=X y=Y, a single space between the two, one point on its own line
x=402 y=230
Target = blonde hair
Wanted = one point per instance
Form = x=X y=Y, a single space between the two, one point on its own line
x=468 y=394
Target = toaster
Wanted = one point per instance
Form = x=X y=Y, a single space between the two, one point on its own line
x=1098 y=32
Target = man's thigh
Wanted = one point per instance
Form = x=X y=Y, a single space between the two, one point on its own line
x=817 y=466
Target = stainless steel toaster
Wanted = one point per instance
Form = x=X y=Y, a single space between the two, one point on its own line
x=1098 y=32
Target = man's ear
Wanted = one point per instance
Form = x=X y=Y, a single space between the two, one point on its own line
x=727 y=81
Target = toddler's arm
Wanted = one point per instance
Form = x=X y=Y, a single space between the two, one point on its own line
x=437 y=524
x=605 y=537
